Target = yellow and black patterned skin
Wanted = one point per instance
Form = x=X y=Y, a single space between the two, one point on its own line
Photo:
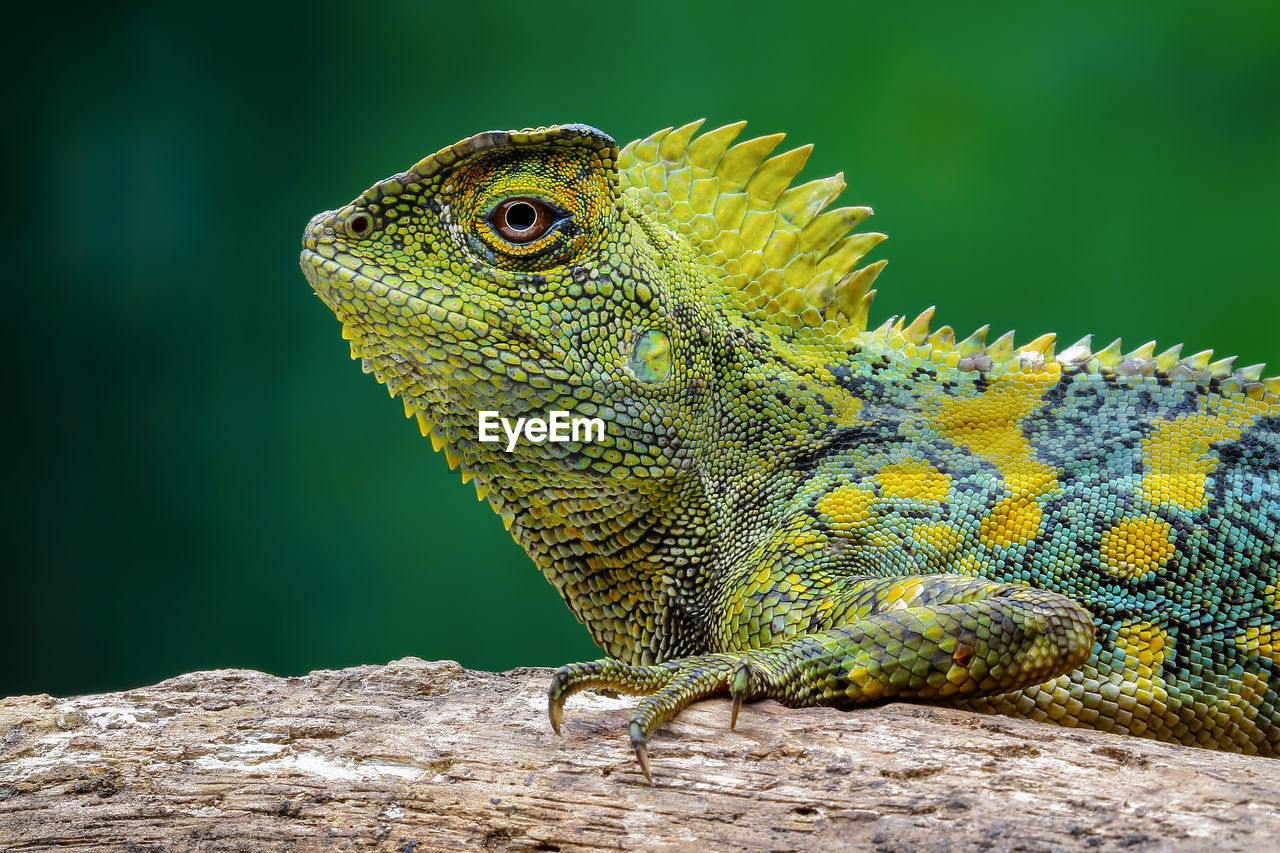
x=786 y=503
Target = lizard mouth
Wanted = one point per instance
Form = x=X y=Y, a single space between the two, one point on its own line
x=330 y=279
x=311 y=262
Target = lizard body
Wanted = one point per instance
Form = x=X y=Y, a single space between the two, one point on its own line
x=786 y=503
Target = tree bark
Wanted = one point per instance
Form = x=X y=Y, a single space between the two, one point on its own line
x=417 y=756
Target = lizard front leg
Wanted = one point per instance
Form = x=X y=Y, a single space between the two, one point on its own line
x=917 y=637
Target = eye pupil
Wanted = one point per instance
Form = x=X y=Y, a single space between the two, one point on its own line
x=521 y=216
x=522 y=220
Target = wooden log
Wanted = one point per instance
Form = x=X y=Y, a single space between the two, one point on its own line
x=419 y=756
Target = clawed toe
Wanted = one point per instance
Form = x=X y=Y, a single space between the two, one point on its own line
x=640 y=743
x=670 y=688
x=738 y=689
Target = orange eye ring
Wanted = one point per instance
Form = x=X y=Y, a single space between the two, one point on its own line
x=522 y=220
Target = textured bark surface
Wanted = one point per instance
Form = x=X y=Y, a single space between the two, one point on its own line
x=418 y=756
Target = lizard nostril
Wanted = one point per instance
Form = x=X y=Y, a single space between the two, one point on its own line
x=359 y=224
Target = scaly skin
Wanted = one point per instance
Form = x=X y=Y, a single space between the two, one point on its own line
x=787 y=504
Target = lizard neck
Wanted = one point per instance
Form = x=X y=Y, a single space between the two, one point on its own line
x=777 y=412
x=628 y=557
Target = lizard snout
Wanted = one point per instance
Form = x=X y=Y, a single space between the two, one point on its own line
x=320 y=225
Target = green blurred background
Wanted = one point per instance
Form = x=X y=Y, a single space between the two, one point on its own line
x=198 y=476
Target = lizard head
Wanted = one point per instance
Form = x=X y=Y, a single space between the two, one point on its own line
x=509 y=273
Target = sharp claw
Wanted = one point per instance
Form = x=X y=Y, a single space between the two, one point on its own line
x=555 y=702
x=555 y=710
x=738 y=687
x=640 y=744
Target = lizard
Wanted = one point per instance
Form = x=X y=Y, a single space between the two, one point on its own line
x=787 y=502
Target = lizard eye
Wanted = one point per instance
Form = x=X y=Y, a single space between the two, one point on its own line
x=522 y=220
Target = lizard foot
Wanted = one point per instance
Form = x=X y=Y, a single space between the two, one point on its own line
x=960 y=638
x=670 y=687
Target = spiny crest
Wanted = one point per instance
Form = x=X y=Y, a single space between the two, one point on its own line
x=787 y=261
x=1004 y=356
x=372 y=355
x=791 y=264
